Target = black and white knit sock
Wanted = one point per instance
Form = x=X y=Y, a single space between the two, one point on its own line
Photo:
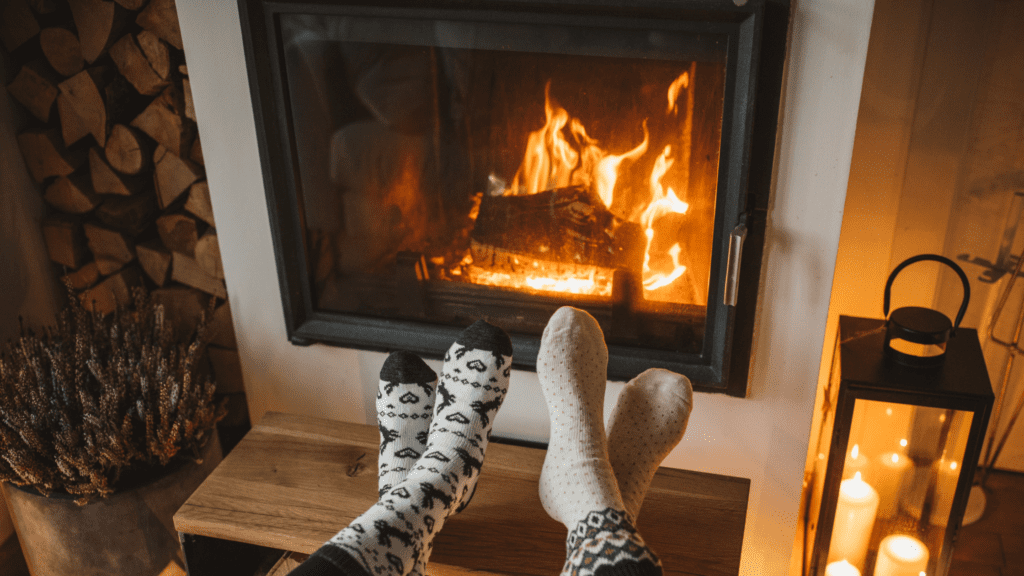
x=577 y=484
x=405 y=406
x=395 y=534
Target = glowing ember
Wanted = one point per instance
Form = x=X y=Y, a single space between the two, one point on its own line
x=548 y=277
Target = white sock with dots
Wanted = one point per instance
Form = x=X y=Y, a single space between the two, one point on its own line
x=647 y=422
x=577 y=484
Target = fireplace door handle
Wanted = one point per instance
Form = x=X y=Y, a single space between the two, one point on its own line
x=732 y=277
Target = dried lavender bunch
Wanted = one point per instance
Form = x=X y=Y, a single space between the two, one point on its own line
x=99 y=395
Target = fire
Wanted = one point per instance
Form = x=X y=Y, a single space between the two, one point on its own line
x=552 y=161
x=545 y=277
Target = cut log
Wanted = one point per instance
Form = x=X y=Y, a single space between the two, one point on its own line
x=196 y=154
x=198 y=202
x=17 y=24
x=208 y=255
x=84 y=95
x=186 y=90
x=84 y=277
x=34 y=91
x=172 y=176
x=46 y=156
x=226 y=370
x=182 y=309
x=178 y=233
x=187 y=271
x=155 y=261
x=156 y=52
x=106 y=181
x=72 y=194
x=128 y=214
x=126 y=151
x=98 y=23
x=117 y=289
x=569 y=225
x=133 y=65
x=131 y=4
x=62 y=50
x=163 y=122
x=72 y=127
x=161 y=18
x=111 y=249
x=183 y=69
x=222 y=330
x=65 y=242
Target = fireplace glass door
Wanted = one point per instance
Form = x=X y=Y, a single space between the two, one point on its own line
x=451 y=166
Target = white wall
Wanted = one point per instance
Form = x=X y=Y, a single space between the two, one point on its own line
x=762 y=437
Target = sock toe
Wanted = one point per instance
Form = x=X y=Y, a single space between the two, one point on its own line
x=483 y=336
x=402 y=366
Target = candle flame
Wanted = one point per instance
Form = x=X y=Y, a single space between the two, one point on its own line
x=857 y=477
x=895 y=458
x=952 y=465
x=903 y=442
x=855 y=452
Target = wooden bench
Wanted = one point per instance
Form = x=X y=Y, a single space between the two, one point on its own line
x=294 y=481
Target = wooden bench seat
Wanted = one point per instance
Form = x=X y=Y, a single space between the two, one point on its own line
x=294 y=481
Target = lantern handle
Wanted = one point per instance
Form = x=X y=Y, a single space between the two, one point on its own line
x=942 y=259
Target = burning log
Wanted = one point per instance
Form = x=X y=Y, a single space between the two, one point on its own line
x=568 y=225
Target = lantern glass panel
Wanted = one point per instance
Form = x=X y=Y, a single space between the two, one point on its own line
x=900 y=476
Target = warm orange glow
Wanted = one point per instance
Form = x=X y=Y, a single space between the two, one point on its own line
x=683 y=81
x=560 y=154
x=855 y=452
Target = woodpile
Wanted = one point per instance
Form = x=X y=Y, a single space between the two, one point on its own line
x=109 y=134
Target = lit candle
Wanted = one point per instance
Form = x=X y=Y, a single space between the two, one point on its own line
x=855 y=462
x=901 y=555
x=855 y=518
x=888 y=478
x=945 y=489
x=841 y=568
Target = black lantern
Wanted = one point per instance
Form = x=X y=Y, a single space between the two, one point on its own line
x=905 y=412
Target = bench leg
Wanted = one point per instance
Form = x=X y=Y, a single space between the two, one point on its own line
x=214 y=557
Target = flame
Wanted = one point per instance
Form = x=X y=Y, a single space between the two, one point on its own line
x=683 y=81
x=552 y=160
x=855 y=452
x=543 y=276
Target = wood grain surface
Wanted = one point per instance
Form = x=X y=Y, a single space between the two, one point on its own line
x=294 y=481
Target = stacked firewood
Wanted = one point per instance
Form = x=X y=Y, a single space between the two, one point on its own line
x=111 y=139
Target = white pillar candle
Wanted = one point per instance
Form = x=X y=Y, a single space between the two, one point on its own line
x=855 y=462
x=855 y=518
x=841 y=568
x=901 y=555
x=887 y=478
x=945 y=489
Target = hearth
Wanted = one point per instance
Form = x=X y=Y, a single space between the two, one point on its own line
x=429 y=164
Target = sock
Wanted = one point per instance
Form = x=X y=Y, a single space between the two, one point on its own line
x=646 y=423
x=577 y=484
x=396 y=533
x=405 y=405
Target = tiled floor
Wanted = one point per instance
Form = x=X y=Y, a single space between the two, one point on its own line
x=993 y=546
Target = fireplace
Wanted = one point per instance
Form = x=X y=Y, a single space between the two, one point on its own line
x=429 y=164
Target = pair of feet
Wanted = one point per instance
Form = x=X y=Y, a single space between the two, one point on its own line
x=434 y=437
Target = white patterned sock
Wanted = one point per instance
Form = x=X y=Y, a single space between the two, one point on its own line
x=395 y=534
x=405 y=406
x=647 y=422
x=577 y=484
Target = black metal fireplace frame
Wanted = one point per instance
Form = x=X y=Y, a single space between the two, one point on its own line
x=756 y=33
